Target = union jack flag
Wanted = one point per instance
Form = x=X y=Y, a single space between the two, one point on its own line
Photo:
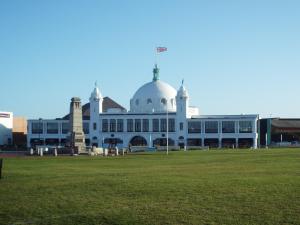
x=161 y=49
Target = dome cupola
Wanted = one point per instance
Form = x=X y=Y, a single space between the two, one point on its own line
x=156 y=96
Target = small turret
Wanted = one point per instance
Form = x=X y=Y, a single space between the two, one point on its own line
x=182 y=92
x=96 y=101
x=95 y=95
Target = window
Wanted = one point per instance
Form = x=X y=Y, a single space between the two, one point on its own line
x=194 y=127
x=86 y=128
x=37 y=128
x=129 y=125
x=145 y=125
x=245 y=126
x=194 y=142
x=211 y=127
x=228 y=127
x=137 y=102
x=163 y=101
x=137 y=125
x=181 y=126
x=52 y=128
x=149 y=101
x=65 y=128
x=163 y=125
x=112 y=125
x=155 y=125
x=171 y=125
x=120 y=125
x=94 y=126
x=104 y=125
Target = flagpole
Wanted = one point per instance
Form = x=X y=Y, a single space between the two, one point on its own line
x=156 y=56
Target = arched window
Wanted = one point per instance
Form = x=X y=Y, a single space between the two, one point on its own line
x=149 y=101
x=163 y=101
x=137 y=102
x=138 y=141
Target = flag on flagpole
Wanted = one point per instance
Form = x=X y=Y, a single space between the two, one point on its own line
x=161 y=49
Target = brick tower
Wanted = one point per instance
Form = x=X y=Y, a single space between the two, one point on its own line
x=77 y=138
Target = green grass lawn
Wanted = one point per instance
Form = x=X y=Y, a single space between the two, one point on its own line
x=195 y=187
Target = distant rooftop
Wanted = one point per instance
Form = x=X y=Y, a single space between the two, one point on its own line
x=107 y=104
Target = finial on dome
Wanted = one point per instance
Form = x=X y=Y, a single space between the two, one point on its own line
x=96 y=93
x=182 y=82
x=155 y=73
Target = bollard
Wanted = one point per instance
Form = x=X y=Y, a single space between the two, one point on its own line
x=1 y=163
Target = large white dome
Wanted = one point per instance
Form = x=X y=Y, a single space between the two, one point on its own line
x=155 y=96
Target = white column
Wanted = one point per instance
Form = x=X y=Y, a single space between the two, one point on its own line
x=150 y=140
x=255 y=143
x=237 y=134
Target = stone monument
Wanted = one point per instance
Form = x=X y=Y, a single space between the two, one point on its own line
x=77 y=138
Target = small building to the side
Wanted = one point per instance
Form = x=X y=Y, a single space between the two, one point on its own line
x=19 y=132
x=279 y=132
x=6 y=126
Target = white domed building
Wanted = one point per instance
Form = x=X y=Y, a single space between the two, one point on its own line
x=159 y=116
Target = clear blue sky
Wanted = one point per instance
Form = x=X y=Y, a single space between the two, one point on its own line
x=235 y=56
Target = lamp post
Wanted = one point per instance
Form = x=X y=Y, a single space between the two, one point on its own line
x=167 y=132
x=40 y=129
x=152 y=145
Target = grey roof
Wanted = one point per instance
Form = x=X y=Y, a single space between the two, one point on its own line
x=242 y=116
x=107 y=104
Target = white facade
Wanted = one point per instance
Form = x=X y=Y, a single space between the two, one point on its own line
x=6 y=126
x=145 y=124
